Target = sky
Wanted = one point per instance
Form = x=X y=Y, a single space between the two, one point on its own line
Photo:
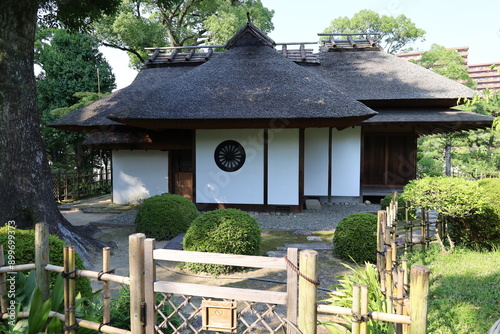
x=450 y=23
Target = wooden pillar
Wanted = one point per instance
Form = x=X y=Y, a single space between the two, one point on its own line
x=106 y=318
x=136 y=267
x=308 y=291
x=419 y=291
x=149 y=278
x=42 y=259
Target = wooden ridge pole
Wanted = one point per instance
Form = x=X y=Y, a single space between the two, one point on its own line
x=42 y=259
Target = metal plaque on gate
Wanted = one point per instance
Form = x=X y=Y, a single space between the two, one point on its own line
x=220 y=316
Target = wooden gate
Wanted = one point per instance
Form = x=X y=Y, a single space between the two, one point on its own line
x=220 y=308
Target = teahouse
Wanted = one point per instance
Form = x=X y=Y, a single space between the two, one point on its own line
x=262 y=129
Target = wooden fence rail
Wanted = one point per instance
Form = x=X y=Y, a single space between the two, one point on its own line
x=408 y=312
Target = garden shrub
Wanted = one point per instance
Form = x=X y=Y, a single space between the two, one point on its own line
x=384 y=203
x=228 y=231
x=25 y=253
x=165 y=216
x=481 y=230
x=471 y=208
x=355 y=238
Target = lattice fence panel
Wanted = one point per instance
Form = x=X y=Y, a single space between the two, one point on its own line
x=183 y=314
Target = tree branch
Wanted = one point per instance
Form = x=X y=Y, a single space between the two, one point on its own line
x=134 y=52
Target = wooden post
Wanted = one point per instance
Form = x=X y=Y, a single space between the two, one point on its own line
x=363 y=326
x=356 y=308
x=69 y=290
x=3 y=284
x=136 y=267
x=308 y=291
x=419 y=290
x=42 y=259
x=105 y=287
x=382 y=221
x=149 y=278
x=292 y=289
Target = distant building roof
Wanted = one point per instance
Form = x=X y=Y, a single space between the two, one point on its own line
x=483 y=74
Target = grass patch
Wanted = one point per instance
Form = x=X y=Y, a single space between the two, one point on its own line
x=272 y=239
x=464 y=294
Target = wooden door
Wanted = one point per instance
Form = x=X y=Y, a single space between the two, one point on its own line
x=184 y=184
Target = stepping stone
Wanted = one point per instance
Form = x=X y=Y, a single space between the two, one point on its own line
x=175 y=243
x=314 y=246
x=313 y=204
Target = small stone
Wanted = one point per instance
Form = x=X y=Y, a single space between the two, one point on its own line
x=314 y=238
x=367 y=202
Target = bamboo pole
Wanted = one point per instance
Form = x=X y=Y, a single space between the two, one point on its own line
x=356 y=308
x=364 y=309
x=378 y=316
x=19 y=267
x=84 y=273
x=308 y=291
x=69 y=290
x=105 y=287
x=42 y=259
x=292 y=290
x=3 y=284
x=382 y=222
x=388 y=280
x=419 y=289
x=136 y=267
x=400 y=298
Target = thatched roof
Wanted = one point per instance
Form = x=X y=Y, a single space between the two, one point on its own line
x=249 y=86
x=430 y=121
x=379 y=79
x=94 y=116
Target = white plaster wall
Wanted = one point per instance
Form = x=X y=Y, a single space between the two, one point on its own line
x=139 y=174
x=283 y=167
x=244 y=186
x=316 y=162
x=346 y=162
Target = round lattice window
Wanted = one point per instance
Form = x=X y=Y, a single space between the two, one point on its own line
x=229 y=156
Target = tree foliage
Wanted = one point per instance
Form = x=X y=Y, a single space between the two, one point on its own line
x=151 y=23
x=395 y=32
x=70 y=63
x=446 y=62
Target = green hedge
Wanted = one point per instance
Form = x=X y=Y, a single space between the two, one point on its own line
x=355 y=238
x=24 y=241
x=165 y=216
x=228 y=231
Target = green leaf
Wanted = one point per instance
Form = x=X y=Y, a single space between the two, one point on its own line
x=39 y=313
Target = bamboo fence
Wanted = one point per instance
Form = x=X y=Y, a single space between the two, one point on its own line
x=409 y=314
x=76 y=184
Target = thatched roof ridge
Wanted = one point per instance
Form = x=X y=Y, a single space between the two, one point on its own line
x=246 y=83
x=378 y=76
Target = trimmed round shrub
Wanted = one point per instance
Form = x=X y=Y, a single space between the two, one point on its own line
x=24 y=241
x=355 y=238
x=480 y=230
x=165 y=216
x=228 y=231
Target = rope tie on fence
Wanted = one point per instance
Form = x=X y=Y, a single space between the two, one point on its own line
x=399 y=301
x=101 y=325
x=70 y=328
x=296 y=270
x=99 y=275
x=69 y=275
x=358 y=317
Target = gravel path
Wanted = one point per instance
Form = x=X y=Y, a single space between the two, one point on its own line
x=309 y=220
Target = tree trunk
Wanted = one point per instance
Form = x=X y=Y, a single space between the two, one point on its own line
x=25 y=182
x=447 y=156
